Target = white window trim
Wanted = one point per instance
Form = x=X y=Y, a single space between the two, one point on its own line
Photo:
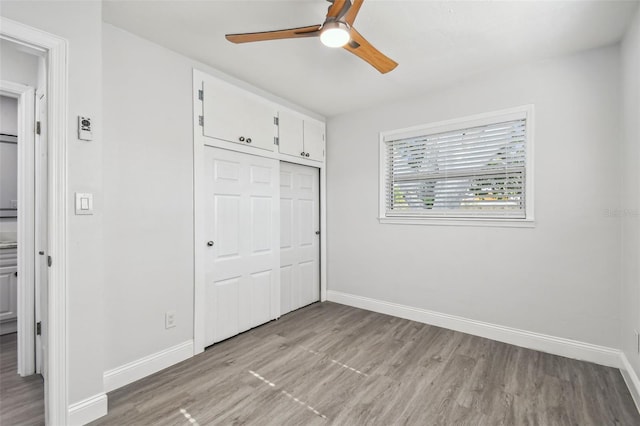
x=525 y=111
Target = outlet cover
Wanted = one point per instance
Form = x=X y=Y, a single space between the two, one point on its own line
x=170 y=319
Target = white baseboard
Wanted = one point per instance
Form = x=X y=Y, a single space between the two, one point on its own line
x=88 y=410
x=631 y=379
x=540 y=342
x=136 y=370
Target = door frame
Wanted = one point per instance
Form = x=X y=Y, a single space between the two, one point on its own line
x=26 y=225
x=199 y=238
x=56 y=48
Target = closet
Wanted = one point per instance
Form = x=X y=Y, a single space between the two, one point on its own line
x=258 y=211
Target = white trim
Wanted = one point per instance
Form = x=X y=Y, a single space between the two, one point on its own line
x=26 y=223
x=88 y=410
x=496 y=223
x=527 y=339
x=56 y=386
x=199 y=142
x=631 y=379
x=514 y=113
x=143 y=367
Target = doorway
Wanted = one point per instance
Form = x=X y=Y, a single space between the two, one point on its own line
x=23 y=199
x=53 y=51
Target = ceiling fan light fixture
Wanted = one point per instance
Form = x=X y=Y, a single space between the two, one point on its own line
x=335 y=34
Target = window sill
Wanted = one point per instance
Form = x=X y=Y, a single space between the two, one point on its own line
x=478 y=222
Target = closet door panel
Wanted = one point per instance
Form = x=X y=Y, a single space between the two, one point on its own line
x=242 y=225
x=300 y=242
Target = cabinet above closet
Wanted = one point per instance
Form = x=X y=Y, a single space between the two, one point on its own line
x=300 y=137
x=235 y=115
x=231 y=117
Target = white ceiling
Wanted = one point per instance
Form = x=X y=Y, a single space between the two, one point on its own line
x=436 y=43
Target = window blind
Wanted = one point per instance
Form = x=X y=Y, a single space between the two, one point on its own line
x=470 y=172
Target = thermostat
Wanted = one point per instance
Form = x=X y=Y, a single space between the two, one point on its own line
x=85 y=132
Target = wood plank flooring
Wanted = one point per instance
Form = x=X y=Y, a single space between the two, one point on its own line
x=329 y=364
x=21 y=398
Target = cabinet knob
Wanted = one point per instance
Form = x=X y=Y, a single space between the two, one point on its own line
x=306 y=154
x=209 y=243
x=302 y=153
x=248 y=140
x=241 y=138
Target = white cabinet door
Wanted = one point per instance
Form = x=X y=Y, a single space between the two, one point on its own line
x=314 y=140
x=242 y=224
x=290 y=134
x=8 y=293
x=299 y=240
x=300 y=137
x=235 y=115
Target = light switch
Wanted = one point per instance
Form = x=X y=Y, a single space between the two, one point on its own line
x=84 y=203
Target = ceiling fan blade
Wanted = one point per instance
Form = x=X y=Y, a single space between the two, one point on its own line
x=310 y=31
x=351 y=14
x=338 y=8
x=360 y=47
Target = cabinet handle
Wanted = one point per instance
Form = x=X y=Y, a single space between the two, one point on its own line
x=209 y=243
x=302 y=153
x=241 y=138
x=306 y=155
x=248 y=140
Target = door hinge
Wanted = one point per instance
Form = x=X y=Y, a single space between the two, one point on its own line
x=276 y=121
x=201 y=95
x=37 y=127
x=38 y=328
x=276 y=140
x=201 y=120
x=49 y=261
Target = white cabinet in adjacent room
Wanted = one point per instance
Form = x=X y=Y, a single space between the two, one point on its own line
x=300 y=137
x=235 y=115
x=8 y=290
x=242 y=242
x=299 y=236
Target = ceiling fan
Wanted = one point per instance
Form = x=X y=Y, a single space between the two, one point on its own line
x=336 y=31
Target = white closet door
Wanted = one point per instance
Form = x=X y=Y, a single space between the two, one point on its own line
x=299 y=238
x=242 y=223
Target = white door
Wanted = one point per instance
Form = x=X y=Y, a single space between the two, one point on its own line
x=299 y=236
x=41 y=242
x=243 y=233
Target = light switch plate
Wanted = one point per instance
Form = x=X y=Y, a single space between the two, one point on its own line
x=84 y=203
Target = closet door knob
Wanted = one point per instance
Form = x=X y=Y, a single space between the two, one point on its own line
x=209 y=243
x=241 y=138
x=248 y=140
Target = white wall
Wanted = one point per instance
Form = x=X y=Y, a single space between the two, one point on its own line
x=630 y=211
x=80 y=23
x=561 y=278
x=148 y=183
x=17 y=65
x=8 y=115
x=148 y=176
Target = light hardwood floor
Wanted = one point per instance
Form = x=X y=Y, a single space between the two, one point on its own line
x=333 y=364
x=21 y=398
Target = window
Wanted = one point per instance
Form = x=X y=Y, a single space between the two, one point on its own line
x=477 y=168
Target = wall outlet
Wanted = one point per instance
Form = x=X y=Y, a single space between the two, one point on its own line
x=170 y=319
